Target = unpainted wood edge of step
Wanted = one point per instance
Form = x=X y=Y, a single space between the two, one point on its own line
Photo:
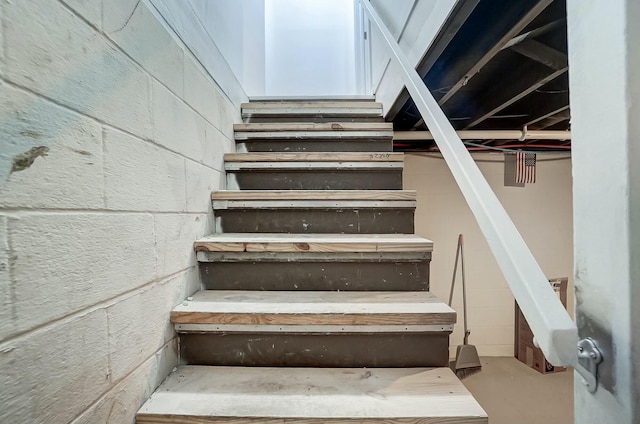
x=343 y=104
x=314 y=157
x=311 y=246
x=317 y=137
x=312 y=329
x=250 y=195
x=310 y=127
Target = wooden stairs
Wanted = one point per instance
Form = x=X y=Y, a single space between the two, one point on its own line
x=316 y=307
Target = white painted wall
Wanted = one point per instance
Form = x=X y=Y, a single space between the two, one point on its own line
x=237 y=29
x=414 y=23
x=395 y=15
x=604 y=59
x=253 y=72
x=189 y=28
x=222 y=34
x=542 y=212
x=309 y=48
x=223 y=21
x=111 y=139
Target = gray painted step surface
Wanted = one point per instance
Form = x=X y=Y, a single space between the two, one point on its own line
x=347 y=220
x=309 y=271
x=314 y=212
x=315 y=179
x=312 y=111
x=400 y=349
x=363 y=144
x=314 y=171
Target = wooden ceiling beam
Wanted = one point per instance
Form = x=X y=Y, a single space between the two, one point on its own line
x=541 y=53
x=454 y=22
x=504 y=98
x=474 y=60
x=551 y=121
x=535 y=33
x=469 y=73
x=563 y=111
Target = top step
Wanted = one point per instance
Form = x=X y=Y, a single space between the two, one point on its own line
x=351 y=110
x=335 y=98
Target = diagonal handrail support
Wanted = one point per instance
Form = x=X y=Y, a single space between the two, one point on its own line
x=554 y=330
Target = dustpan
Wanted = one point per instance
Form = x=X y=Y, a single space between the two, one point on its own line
x=467 y=361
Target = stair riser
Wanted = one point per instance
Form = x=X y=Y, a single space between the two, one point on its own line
x=315 y=180
x=327 y=275
x=316 y=350
x=348 y=221
x=363 y=145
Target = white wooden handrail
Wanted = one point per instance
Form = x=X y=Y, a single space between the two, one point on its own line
x=553 y=329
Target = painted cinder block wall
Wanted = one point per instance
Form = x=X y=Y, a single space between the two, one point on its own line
x=111 y=138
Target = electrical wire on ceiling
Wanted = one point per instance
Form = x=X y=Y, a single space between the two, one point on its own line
x=479 y=148
x=442 y=90
x=513 y=149
x=521 y=115
x=439 y=156
x=551 y=91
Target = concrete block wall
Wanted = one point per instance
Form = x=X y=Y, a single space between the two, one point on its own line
x=111 y=138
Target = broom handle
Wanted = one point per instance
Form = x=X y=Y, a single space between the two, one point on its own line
x=455 y=268
x=464 y=291
x=460 y=255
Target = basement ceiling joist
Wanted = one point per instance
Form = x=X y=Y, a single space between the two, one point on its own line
x=496 y=65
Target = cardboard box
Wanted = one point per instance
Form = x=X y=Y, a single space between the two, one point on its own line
x=524 y=349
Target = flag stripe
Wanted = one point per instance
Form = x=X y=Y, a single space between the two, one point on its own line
x=525 y=167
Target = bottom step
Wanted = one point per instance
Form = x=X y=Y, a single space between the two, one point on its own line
x=237 y=395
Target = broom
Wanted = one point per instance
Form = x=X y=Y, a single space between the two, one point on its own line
x=467 y=361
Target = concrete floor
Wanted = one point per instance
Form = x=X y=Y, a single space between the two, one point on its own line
x=512 y=393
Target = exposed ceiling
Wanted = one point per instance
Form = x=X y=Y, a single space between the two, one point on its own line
x=496 y=65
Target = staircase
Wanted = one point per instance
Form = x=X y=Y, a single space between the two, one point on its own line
x=316 y=306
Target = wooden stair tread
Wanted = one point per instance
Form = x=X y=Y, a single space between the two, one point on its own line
x=238 y=395
x=312 y=104
x=352 y=109
x=310 y=205
x=400 y=195
x=314 y=157
x=314 y=308
x=313 y=200
x=332 y=98
x=308 y=126
x=326 y=131
x=273 y=242
x=319 y=137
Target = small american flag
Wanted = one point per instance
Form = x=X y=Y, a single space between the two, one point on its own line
x=525 y=167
